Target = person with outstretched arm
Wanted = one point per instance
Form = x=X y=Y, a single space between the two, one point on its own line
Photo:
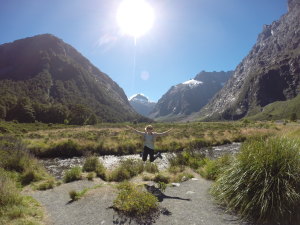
x=149 y=138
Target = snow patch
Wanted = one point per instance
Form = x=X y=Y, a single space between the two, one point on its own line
x=192 y=83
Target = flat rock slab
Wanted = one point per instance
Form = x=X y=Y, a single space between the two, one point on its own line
x=190 y=203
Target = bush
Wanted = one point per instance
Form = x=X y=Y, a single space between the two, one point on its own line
x=45 y=185
x=187 y=158
x=263 y=182
x=161 y=178
x=150 y=167
x=73 y=174
x=91 y=176
x=126 y=170
x=9 y=194
x=101 y=171
x=90 y=164
x=134 y=201
x=212 y=168
x=74 y=195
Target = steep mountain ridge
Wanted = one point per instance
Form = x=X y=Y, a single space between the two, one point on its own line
x=48 y=71
x=188 y=97
x=270 y=72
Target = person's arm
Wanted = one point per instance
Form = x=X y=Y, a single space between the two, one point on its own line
x=163 y=133
x=136 y=131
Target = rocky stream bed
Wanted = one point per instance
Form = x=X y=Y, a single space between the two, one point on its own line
x=57 y=166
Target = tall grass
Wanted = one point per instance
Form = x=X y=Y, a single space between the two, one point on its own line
x=263 y=182
x=134 y=201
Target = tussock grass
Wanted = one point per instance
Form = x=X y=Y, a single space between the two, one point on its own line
x=214 y=167
x=127 y=169
x=134 y=201
x=115 y=139
x=263 y=182
x=73 y=174
x=189 y=158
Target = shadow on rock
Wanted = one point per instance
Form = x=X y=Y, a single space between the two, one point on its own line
x=161 y=196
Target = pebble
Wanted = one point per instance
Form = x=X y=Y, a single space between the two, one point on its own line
x=175 y=184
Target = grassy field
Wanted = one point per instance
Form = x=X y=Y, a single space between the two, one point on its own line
x=105 y=139
x=18 y=168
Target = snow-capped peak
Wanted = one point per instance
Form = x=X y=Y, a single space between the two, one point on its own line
x=192 y=83
x=139 y=97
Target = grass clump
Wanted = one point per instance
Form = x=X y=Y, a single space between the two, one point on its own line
x=15 y=208
x=73 y=174
x=187 y=158
x=263 y=182
x=91 y=176
x=134 y=201
x=46 y=184
x=126 y=170
x=214 y=167
x=75 y=195
x=161 y=178
x=92 y=164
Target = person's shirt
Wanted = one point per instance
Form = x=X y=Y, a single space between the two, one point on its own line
x=150 y=138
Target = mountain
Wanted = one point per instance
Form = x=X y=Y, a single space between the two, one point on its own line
x=269 y=73
x=43 y=78
x=190 y=96
x=141 y=104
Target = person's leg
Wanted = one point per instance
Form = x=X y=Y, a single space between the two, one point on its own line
x=145 y=153
x=151 y=153
x=154 y=157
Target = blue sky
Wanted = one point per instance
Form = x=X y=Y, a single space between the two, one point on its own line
x=187 y=36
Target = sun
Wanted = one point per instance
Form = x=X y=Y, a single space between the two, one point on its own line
x=135 y=17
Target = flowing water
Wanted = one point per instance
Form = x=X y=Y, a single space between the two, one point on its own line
x=57 y=166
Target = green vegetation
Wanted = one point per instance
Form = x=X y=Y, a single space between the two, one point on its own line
x=126 y=170
x=116 y=139
x=263 y=182
x=161 y=178
x=76 y=195
x=73 y=174
x=15 y=208
x=280 y=110
x=214 y=167
x=189 y=158
x=92 y=164
x=134 y=201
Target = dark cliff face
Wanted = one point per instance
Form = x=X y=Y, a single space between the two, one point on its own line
x=270 y=72
x=188 y=97
x=47 y=70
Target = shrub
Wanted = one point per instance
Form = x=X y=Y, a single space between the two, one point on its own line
x=101 y=171
x=9 y=194
x=188 y=158
x=74 y=195
x=46 y=184
x=90 y=164
x=126 y=170
x=134 y=201
x=91 y=175
x=161 y=178
x=212 y=168
x=263 y=182
x=150 y=167
x=73 y=174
